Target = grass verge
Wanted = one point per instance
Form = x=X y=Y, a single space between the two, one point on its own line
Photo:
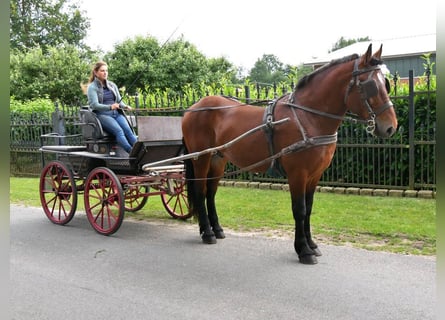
x=398 y=225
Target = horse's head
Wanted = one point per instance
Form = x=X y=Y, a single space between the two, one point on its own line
x=368 y=94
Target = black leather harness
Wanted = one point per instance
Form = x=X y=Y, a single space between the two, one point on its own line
x=276 y=169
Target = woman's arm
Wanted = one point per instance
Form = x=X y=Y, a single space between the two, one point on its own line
x=122 y=105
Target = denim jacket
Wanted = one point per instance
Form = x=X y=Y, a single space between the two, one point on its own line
x=95 y=95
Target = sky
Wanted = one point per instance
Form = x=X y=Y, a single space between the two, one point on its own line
x=242 y=31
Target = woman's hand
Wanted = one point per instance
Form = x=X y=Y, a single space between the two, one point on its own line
x=115 y=106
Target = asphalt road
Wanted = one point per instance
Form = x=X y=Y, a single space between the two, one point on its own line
x=163 y=271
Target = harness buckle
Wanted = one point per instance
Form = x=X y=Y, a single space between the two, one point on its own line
x=370 y=127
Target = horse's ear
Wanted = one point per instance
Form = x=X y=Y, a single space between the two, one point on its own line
x=378 y=54
x=368 y=54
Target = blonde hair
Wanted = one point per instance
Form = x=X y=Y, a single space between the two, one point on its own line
x=96 y=67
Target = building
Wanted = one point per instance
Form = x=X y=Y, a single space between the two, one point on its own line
x=400 y=55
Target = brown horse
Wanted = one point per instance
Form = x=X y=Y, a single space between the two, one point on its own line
x=297 y=135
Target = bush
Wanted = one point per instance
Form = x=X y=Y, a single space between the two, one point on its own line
x=27 y=108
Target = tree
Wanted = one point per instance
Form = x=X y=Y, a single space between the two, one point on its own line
x=55 y=74
x=46 y=23
x=268 y=69
x=142 y=64
x=342 y=42
x=221 y=70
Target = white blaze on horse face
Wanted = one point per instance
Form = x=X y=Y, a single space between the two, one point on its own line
x=384 y=69
x=381 y=76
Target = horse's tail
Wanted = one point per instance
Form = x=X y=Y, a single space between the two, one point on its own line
x=190 y=180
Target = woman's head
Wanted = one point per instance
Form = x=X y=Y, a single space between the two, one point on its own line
x=100 y=71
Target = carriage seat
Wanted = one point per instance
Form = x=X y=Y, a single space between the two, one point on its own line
x=91 y=126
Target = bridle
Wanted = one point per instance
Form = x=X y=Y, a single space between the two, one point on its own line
x=367 y=89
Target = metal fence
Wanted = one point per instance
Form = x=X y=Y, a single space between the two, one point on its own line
x=405 y=161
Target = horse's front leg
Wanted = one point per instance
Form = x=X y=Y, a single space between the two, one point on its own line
x=307 y=223
x=207 y=235
x=199 y=208
x=306 y=255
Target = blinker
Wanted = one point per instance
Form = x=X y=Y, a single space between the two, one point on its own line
x=387 y=85
x=369 y=88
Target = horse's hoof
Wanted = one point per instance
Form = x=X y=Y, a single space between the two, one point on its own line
x=219 y=234
x=317 y=252
x=308 y=259
x=208 y=238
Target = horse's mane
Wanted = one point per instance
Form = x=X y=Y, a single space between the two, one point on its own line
x=303 y=81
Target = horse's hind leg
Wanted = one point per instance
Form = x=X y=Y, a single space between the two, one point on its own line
x=201 y=168
x=307 y=223
x=215 y=174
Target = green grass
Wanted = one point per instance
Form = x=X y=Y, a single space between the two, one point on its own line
x=400 y=225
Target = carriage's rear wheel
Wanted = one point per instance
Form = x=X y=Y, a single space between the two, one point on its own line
x=58 y=193
x=104 y=200
x=175 y=201
x=135 y=198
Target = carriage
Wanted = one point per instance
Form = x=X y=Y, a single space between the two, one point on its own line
x=112 y=181
x=295 y=134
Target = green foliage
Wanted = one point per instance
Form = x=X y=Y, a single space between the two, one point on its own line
x=45 y=24
x=268 y=69
x=143 y=65
x=36 y=105
x=342 y=42
x=55 y=74
x=39 y=105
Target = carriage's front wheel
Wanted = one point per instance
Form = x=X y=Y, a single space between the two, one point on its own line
x=175 y=200
x=104 y=201
x=58 y=192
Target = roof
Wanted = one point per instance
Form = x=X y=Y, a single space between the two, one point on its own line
x=392 y=48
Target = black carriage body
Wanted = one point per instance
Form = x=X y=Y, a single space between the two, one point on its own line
x=159 y=138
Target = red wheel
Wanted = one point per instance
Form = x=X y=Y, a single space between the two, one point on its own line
x=58 y=193
x=176 y=202
x=104 y=200
x=135 y=197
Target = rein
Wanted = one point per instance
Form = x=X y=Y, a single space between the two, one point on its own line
x=214 y=150
x=328 y=115
x=367 y=89
x=295 y=147
x=258 y=102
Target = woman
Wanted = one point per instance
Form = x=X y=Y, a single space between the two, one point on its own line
x=104 y=99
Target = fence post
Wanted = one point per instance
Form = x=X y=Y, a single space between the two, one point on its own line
x=247 y=93
x=58 y=122
x=411 y=129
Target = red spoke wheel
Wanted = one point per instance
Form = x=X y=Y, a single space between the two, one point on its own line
x=58 y=193
x=104 y=200
x=135 y=197
x=175 y=200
